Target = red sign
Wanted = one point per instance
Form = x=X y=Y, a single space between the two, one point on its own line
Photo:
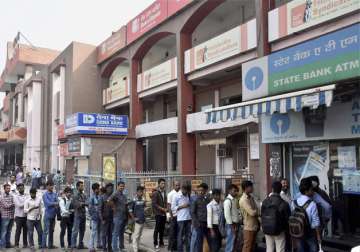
x=61 y=131
x=148 y=19
x=63 y=150
x=176 y=5
x=111 y=45
x=17 y=134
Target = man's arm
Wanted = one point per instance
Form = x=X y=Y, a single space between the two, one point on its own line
x=227 y=211
x=209 y=211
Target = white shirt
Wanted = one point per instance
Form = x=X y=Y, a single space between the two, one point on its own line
x=184 y=213
x=34 y=214
x=19 y=201
x=231 y=212
x=286 y=196
x=171 y=195
x=213 y=213
x=38 y=174
x=12 y=187
x=64 y=207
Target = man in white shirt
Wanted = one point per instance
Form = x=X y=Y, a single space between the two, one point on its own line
x=33 y=209
x=67 y=218
x=12 y=184
x=285 y=192
x=213 y=217
x=232 y=217
x=173 y=220
x=20 y=216
x=38 y=177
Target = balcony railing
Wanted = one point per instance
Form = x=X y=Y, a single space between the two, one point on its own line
x=116 y=92
x=161 y=127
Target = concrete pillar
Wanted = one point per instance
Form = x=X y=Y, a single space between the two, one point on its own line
x=186 y=105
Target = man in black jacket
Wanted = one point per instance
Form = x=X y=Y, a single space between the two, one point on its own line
x=159 y=204
x=275 y=214
x=106 y=217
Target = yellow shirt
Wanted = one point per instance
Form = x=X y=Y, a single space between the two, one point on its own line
x=249 y=212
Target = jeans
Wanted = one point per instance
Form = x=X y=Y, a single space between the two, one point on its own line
x=184 y=235
x=308 y=244
x=30 y=228
x=118 y=234
x=48 y=232
x=6 y=226
x=106 y=232
x=66 y=225
x=173 y=234
x=194 y=237
x=160 y=222
x=275 y=242
x=215 y=241
x=201 y=233
x=230 y=238
x=78 y=229
x=94 y=237
x=138 y=229
x=21 y=225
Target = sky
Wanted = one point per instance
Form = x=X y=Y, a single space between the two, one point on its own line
x=54 y=24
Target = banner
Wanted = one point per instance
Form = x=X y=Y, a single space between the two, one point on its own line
x=111 y=45
x=298 y=15
x=329 y=58
x=109 y=167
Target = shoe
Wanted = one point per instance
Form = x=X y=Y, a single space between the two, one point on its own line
x=81 y=247
x=99 y=247
x=52 y=247
x=157 y=248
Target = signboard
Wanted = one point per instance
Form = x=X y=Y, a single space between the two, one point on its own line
x=109 y=167
x=146 y=20
x=61 y=131
x=17 y=134
x=351 y=182
x=150 y=186
x=74 y=145
x=237 y=40
x=116 y=92
x=106 y=124
x=176 y=5
x=254 y=146
x=347 y=157
x=3 y=135
x=63 y=150
x=341 y=121
x=330 y=58
x=298 y=15
x=157 y=75
x=111 y=45
x=195 y=183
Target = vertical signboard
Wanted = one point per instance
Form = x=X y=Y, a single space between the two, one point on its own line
x=109 y=167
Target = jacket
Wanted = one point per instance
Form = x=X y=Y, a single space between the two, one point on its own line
x=158 y=201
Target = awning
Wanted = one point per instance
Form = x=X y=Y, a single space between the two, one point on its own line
x=310 y=98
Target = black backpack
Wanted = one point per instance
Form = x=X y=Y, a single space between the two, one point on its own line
x=271 y=220
x=299 y=225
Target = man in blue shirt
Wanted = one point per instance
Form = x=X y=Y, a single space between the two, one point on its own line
x=137 y=213
x=181 y=204
x=51 y=204
x=312 y=238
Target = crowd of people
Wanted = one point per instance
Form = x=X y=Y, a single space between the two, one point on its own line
x=230 y=221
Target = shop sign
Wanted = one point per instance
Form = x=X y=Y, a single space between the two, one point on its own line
x=216 y=141
x=160 y=74
x=150 y=187
x=116 y=92
x=109 y=167
x=254 y=146
x=63 y=150
x=176 y=5
x=341 y=121
x=61 y=131
x=111 y=45
x=74 y=146
x=3 y=135
x=90 y=123
x=237 y=40
x=17 y=134
x=298 y=15
x=148 y=19
x=195 y=183
x=330 y=58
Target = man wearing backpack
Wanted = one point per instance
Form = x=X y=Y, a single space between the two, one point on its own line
x=275 y=214
x=232 y=217
x=304 y=222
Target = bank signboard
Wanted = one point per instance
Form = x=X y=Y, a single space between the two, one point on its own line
x=111 y=45
x=330 y=58
x=298 y=15
x=91 y=123
x=340 y=121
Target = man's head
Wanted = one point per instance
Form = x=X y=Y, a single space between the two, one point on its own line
x=306 y=187
x=7 y=188
x=276 y=187
x=38 y=169
x=202 y=189
x=121 y=186
x=233 y=190
x=20 y=187
x=33 y=192
x=109 y=188
x=247 y=186
x=284 y=185
x=161 y=183
x=67 y=192
x=140 y=191
x=185 y=189
x=80 y=186
x=177 y=186
x=95 y=188
x=50 y=186
x=216 y=193
x=12 y=178
x=315 y=182
x=58 y=172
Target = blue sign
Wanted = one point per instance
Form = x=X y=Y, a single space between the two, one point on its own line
x=91 y=123
x=254 y=78
x=280 y=123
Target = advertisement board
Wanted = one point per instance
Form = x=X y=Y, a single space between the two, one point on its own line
x=146 y=20
x=329 y=58
x=17 y=134
x=341 y=121
x=298 y=15
x=91 y=123
x=111 y=45
x=109 y=167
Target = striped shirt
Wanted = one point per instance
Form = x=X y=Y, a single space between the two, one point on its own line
x=7 y=206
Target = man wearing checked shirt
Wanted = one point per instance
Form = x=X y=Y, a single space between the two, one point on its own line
x=313 y=237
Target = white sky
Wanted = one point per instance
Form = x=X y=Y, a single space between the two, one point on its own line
x=54 y=24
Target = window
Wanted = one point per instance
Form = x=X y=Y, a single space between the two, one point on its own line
x=231 y=100
x=173 y=156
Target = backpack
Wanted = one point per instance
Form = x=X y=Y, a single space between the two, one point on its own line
x=222 y=220
x=271 y=219
x=298 y=221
